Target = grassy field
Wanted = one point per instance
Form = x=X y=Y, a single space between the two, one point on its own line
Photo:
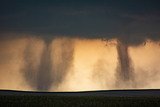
x=78 y=101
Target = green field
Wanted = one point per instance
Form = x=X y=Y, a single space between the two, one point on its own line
x=80 y=99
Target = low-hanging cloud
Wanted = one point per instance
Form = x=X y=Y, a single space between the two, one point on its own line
x=125 y=70
x=62 y=59
x=37 y=67
x=47 y=68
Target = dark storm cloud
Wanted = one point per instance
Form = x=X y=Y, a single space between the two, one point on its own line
x=132 y=20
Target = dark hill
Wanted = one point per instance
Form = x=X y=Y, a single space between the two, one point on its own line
x=103 y=98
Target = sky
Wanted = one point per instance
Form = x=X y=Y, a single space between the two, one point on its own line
x=131 y=19
x=79 y=45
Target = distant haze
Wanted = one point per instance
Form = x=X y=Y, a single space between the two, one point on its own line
x=75 y=64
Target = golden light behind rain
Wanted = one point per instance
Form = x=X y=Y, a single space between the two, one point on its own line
x=94 y=66
x=75 y=64
x=146 y=59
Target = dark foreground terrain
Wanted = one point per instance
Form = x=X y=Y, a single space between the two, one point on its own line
x=119 y=98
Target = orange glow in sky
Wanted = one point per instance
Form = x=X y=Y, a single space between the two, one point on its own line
x=93 y=67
